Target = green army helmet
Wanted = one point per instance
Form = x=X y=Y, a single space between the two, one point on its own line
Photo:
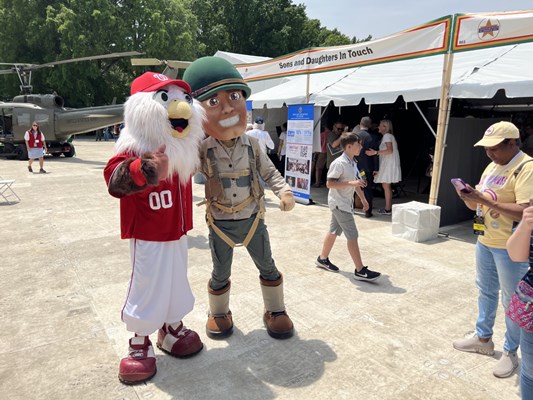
x=209 y=75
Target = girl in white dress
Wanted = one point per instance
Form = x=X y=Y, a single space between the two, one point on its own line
x=390 y=170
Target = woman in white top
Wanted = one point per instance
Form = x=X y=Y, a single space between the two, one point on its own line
x=390 y=170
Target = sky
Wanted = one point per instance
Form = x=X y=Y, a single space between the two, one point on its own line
x=381 y=18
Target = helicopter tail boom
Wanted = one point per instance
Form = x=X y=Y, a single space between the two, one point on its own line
x=74 y=121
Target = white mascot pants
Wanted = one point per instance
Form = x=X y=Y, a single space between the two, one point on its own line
x=159 y=289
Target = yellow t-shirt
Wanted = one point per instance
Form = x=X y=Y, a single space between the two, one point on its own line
x=508 y=189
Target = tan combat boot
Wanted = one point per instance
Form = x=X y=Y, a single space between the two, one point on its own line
x=276 y=320
x=219 y=322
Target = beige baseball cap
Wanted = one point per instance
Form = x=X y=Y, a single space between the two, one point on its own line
x=497 y=133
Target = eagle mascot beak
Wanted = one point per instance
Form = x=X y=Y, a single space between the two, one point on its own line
x=179 y=113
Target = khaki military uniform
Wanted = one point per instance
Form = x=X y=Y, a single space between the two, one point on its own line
x=235 y=204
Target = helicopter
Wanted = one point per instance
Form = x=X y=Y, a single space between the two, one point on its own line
x=172 y=67
x=58 y=122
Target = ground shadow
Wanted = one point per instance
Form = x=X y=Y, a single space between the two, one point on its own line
x=198 y=241
x=382 y=285
x=246 y=367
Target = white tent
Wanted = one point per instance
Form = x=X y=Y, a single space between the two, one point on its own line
x=461 y=56
x=476 y=74
x=259 y=86
x=237 y=58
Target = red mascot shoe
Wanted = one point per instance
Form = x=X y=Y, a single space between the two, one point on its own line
x=179 y=341
x=139 y=365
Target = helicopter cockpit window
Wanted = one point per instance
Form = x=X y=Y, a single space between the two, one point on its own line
x=24 y=119
x=42 y=118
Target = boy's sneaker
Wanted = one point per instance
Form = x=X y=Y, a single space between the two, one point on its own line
x=326 y=264
x=366 y=275
x=384 y=212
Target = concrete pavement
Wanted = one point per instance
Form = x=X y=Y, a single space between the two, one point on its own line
x=65 y=271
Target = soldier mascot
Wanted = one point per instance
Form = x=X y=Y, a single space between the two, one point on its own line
x=232 y=163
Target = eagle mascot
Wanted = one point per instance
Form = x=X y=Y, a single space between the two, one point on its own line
x=155 y=156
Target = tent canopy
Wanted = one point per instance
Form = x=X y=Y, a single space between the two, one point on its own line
x=460 y=55
x=476 y=74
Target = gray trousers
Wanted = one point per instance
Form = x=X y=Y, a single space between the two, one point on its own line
x=258 y=248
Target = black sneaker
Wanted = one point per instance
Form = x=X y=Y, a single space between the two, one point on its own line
x=384 y=212
x=366 y=275
x=326 y=264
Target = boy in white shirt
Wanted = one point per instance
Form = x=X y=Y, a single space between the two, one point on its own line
x=343 y=178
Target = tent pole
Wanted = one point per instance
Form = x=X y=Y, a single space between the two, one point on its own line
x=442 y=127
x=307 y=88
x=425 y=119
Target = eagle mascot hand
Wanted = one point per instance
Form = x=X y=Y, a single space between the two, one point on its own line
x=155 y=156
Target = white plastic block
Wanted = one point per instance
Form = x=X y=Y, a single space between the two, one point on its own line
x=415 y=221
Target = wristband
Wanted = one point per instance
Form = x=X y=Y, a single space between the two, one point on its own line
x=136 y=174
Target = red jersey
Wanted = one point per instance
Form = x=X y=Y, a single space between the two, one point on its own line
x=159 y=213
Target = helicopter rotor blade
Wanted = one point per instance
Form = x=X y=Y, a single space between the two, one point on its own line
x=145 y=61
x=178 y=64
x=90 y=58
x=154 y=61
x=32 y=67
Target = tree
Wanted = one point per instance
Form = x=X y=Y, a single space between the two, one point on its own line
x=43 y=31
x=46 y=31
x=259 y=27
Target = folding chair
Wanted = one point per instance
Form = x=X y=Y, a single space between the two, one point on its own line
x=6 y=191
x=398 y=189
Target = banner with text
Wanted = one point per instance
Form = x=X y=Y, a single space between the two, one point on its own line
x=299 y=150
x=428 y=39
x=474 y=31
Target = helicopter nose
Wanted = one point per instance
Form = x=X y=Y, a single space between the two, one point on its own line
x=179 y=112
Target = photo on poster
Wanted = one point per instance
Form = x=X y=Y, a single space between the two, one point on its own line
x=298 y=166
x=302 y=183
x=291 y=180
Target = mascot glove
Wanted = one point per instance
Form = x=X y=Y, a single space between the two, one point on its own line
x=286 y=201
x=155 y=165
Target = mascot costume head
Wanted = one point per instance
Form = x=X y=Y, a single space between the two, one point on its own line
x=161 y=111
x=212 y=79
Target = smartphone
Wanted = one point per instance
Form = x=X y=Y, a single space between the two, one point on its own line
x=460 y=185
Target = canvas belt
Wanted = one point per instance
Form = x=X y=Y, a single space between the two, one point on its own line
x=242 y=178
x=211 y=222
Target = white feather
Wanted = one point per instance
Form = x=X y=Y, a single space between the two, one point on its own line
x=147 y=127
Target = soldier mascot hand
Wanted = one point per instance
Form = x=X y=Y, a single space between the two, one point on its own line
x=232 y=163
x=156 y=154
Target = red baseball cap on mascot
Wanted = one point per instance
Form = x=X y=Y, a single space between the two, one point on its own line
x=151 y=81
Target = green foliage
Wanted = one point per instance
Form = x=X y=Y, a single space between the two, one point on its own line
x=44 y=31
x=259 y=27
